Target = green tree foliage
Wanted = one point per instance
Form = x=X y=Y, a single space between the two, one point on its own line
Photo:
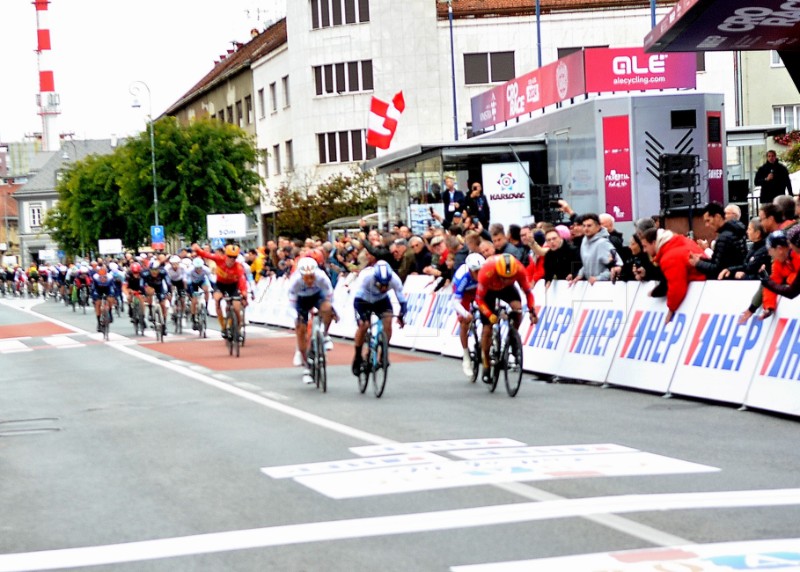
x=303 y=212
x=792 y=158
x=203 y=168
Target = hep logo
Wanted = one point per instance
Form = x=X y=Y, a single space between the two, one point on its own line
x=629 y=65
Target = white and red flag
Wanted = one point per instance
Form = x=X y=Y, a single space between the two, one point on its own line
x=383 y=119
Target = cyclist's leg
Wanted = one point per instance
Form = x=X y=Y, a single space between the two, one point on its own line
x=363 y=310
x=302 y=307
x=326 y=312
x=217 y=302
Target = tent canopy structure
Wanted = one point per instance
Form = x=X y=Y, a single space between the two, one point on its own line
x=731 y=25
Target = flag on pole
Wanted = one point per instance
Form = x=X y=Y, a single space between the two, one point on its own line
x=383 y=119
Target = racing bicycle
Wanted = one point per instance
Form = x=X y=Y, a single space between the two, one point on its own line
x=505 y=354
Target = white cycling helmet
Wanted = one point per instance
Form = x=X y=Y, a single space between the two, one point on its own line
x=307 y=266
x=174 y=259
x=155 y=265
x=474 y=261
x=186 y=263
x=198 y=262
x=113 y=266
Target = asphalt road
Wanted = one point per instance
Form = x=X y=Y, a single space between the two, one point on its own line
x=133 y=455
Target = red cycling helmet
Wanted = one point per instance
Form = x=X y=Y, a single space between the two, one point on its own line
x=136 y=268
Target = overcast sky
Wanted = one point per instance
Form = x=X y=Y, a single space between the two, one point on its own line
x=100 y=47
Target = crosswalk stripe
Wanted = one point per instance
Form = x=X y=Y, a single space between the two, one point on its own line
x=12 y=346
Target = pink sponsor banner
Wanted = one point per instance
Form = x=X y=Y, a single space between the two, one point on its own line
x=617 y=167
x=551 y=84
x=631 y=69
x=716 y=188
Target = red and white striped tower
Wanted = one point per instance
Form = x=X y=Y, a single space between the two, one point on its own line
x=47 y=99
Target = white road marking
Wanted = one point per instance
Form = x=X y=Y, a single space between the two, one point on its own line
x=62 y=342
x=388 y=525
x=442 y=445
x=13 y=346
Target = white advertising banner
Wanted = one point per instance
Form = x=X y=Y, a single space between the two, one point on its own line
x=600 y=318
x=48 y=255
x=227 y=225
x=720 y=355
x=417 y=290
x=343 y=304
x=649 y=350
x=775 y=381
x=544 y=344
x=109 y=246
x=507 y=188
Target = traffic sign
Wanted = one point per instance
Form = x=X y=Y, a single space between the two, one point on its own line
x=157 y=237
x=217 y=243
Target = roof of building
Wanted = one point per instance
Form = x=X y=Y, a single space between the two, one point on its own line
x=7 y=202
x=497 y=8
x=43 y=178
x=233 y=63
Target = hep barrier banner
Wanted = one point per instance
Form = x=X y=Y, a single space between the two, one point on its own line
x=610 y=333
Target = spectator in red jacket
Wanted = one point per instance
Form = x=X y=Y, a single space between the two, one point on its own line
x=671 y=253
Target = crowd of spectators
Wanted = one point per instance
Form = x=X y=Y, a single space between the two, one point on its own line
x=584 y=247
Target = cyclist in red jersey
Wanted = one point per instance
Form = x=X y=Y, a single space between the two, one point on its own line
x=231 y=280
x=496 y=280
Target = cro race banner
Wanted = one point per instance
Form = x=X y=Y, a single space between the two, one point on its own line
x=612 y=333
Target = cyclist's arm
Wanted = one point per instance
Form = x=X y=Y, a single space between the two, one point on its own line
x=522 y=280
x=480 y=300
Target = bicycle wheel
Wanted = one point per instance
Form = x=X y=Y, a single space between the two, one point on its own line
x=158 y=322
x=363 y=376
x=474 y=348
x=201 y=321
x=105 y=321
x=235 y=341
x=177 y=318
x=496 y=358
x=84 y=298
x=380 y=364
x=321 y=373
x=513 y=370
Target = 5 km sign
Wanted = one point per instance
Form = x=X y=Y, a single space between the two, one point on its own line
x=227 y=225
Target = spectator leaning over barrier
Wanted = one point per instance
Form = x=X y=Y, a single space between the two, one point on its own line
x=756 y=257
x=640 y=266
x=562 y=261
x=785 y=264
x=598 y=255
x=404 y=258
x=671 y=253
x=486 y=248
x=422 y=256
x=534 y=242
x=472 y=241
x=500 y=241
x=789 y=289
x=730 y=247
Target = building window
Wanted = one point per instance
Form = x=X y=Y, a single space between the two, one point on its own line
x=239 y=114
x=343 y=147
x=289 y=156
x=273 y=97
x=328 y=13
x=35 y=215
x=261 y=108
x=265 y=160
x=788 y=115
x=488 y=67
x=285 y=86
x=349 y=77
x=248 y=108
x=276 y=156
x=221 y=115
x=775 y=60
x=230 y=114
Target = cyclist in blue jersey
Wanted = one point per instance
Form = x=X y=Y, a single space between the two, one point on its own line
x=372 y=296
x=103 y=284
x=465 y=284
x=309 y=287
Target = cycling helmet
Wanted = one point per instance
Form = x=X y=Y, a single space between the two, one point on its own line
x=474 y=261
x=174 y=259
x=777 y=238
x=506 y=265
x=382 y=273
x=155 y=265
x=136 y=268
x=793 y=235
x=113 y=266
x=102 y=271
x=231 y=250
x=84 y=270
x=198 y=262
x=307 y=266
x=186 y=263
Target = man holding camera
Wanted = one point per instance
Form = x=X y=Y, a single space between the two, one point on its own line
x=773 y=178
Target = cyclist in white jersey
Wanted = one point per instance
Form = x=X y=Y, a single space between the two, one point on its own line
x=371 y=297
x=309 y=287
x=199 y=278
x=465 y=284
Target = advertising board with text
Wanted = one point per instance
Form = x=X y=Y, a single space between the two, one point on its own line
x=507 y=189
x=227 y=225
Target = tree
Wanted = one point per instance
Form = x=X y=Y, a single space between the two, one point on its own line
x=303 y=211
x=203 y=168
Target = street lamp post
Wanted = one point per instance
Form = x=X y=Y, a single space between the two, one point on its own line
x=135 y=90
